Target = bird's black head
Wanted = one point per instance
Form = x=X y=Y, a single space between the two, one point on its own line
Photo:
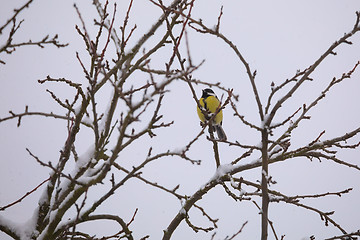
x=207 y=92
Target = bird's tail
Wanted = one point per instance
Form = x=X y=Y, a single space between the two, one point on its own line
x=220 y=132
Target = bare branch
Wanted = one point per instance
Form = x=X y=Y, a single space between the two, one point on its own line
x=17 y=11
x=27 y=194
x=310 y=70
x=345 y=236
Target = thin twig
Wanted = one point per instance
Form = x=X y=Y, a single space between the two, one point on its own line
x=26 y=194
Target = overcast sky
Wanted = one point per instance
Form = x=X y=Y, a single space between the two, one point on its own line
x=276 y=37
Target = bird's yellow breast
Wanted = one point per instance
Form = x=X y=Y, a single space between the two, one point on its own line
x=211 y=104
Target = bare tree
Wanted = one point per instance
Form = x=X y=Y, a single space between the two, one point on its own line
x=135 y=112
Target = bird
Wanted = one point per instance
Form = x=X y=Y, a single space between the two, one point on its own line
x=210 y=104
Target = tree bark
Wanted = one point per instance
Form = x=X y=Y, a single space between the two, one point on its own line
x=264 y=185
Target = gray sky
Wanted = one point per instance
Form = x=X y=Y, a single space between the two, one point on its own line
x=276 y=37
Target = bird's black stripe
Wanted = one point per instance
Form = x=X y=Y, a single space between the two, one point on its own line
x=206 y=108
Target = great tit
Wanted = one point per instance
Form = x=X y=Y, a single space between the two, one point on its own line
x=211 y=103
